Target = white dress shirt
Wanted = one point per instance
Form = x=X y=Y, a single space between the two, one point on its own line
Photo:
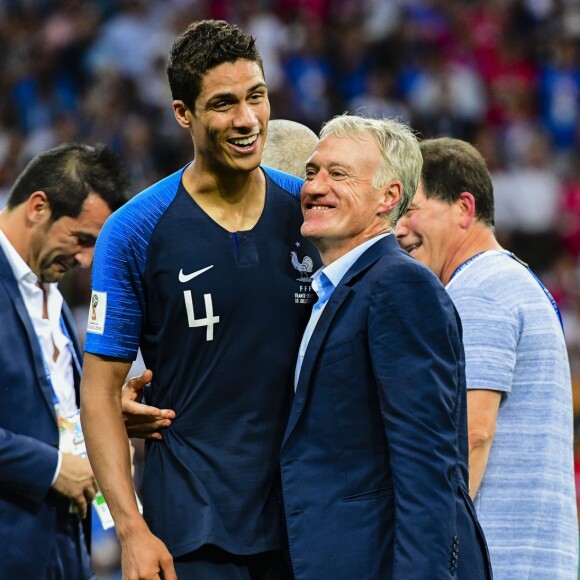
x=48 y=330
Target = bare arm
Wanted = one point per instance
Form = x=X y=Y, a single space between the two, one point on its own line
x=482 y=410
x=143 y=555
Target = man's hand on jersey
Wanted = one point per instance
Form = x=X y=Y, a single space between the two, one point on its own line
x=143 y=421
x=76 y=481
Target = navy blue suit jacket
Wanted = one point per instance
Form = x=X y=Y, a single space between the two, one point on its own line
x=374 y=458
x=28 y=437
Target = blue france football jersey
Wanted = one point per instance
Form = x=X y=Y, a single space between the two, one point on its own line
x=218 y=317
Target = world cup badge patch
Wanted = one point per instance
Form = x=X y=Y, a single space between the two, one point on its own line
x=97 y=312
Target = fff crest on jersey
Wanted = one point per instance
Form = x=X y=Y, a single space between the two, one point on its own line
x=304 y=267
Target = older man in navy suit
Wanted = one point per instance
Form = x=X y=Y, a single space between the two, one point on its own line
x=374 y=458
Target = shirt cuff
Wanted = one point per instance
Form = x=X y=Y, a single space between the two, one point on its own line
x=57 y=470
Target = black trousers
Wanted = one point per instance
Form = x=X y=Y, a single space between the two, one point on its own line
x=212 y=563
x=70 y=558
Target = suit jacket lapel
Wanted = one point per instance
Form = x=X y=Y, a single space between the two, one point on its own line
x=385 y=246
x=9 y=282
x=311 y=356
x=68 y=324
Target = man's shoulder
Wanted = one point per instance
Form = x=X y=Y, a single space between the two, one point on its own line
x=398 y=267
x=398 y=275
x=7 y=277
x=408 y=290
x=496 y=274
x=284 y=181
x=142 y=212
x=154 y=199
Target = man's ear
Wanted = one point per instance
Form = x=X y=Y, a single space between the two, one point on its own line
x=182 y=114
x=37 y=208
x=392 y=196
x=466 y=205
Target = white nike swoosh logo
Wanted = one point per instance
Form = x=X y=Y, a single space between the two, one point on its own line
x=187 y=277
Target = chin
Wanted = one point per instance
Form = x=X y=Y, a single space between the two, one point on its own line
x=50 y=276
x=248 y=163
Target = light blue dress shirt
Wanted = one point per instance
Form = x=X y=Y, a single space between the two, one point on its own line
x=324 y=281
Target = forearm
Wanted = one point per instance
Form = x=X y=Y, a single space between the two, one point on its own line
x=482 y=412
x=478 y=457
x=106 y=437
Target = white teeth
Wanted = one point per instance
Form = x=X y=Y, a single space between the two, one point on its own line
x=245 y=141
x=319 y=207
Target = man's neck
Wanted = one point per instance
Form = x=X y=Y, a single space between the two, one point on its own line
x=479 y=239
x=235 y=200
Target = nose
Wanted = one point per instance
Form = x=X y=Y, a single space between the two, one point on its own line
x=246 y=116
x=316 y=184
x=84 y=257
x=401 y=229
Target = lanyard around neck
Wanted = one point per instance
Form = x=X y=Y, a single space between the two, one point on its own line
x=514 y=257
x=546 y=291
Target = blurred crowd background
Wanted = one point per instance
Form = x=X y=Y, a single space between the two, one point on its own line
x=502 y=74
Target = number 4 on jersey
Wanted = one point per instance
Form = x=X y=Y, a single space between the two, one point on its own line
x=209 y=319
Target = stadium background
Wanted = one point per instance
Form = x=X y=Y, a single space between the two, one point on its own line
x=502 y=74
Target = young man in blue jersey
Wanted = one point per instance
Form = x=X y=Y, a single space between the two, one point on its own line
x=206 y=272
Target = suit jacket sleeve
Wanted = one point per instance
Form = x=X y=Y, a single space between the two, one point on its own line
x=28 y=429
x=415 y=348
x=27 y=465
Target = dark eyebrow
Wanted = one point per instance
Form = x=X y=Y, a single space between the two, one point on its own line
x=228 y=95
x=260 y=85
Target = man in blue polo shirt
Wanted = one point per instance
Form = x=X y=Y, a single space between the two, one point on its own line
x=207 y=273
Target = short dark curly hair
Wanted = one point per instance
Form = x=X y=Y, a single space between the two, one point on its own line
x=68 y=174
x=204 y=45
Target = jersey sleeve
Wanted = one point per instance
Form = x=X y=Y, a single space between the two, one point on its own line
x=115 y=313
x=286 y=181
x=490 y=335
x=117 y=307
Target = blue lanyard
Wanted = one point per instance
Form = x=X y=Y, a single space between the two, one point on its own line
x=546 y=291
x=55 y=400
x=464 y=265
x=513 y=256
x=71 y=345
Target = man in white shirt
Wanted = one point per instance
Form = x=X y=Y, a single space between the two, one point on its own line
x=55 y=211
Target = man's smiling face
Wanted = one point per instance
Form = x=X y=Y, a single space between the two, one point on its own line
x=58 y=246
x=427 y=230
x=231 y=116
x=341 y=206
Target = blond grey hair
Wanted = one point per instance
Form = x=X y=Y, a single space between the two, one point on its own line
x=288 y=146
x=401 y=156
